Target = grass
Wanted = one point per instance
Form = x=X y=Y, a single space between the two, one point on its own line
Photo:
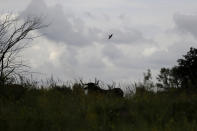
x=24 y=107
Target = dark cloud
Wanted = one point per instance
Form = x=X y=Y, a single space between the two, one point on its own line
x=169 y=57
x=69 y=29
x=186 y=23
x=64 y=27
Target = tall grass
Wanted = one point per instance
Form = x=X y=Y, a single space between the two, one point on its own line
x=25 y=107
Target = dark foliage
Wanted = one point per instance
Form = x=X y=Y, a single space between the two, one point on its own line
x=187 y=69
x=184 y=75
x=60 y=108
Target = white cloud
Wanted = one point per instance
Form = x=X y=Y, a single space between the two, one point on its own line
x=44 y=51
x=149 y=51
x=146 y=35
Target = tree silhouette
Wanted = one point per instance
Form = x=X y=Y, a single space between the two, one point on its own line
x=187 y=68
x=12 y=33
x=183 y=75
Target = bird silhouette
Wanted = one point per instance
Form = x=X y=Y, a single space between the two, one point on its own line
x=110 y=36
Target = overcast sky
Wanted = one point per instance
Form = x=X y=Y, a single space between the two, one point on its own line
x=148 y=34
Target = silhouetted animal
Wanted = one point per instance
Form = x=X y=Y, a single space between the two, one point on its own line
x=94 y=88
x=110 y=36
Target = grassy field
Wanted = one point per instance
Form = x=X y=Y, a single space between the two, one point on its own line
x=23 y=107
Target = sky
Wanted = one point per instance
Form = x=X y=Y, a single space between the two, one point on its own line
x=148 y=34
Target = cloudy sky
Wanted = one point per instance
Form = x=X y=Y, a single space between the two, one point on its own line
x=148 y=34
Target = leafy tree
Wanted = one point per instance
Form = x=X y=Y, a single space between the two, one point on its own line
x=183 y=75
x=147 y=82
x=187 y=68
x=168 y=78
x=164 y=78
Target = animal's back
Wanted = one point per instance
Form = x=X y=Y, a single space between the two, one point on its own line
x=117 y=92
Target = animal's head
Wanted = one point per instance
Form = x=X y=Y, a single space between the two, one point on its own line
x=90 y=84
x=91 y=87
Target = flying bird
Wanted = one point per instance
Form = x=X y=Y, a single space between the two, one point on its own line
x=110 y=36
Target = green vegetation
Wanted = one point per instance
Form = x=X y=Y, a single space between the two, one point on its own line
x=59 y=108
x=26 y=106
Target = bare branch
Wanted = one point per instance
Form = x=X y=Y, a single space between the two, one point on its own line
x=11 y=35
